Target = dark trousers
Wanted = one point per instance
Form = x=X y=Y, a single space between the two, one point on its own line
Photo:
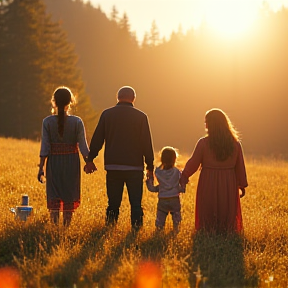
x=115 y=180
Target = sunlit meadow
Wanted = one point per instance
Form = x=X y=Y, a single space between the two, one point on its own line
x=87 y=254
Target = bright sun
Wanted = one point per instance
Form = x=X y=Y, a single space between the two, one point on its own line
x=230 y=18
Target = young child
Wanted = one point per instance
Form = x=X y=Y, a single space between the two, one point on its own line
x=168 y=189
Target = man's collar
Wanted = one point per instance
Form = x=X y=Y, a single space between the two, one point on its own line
x=125 y=103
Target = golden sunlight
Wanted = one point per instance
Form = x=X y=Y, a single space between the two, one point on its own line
x=230 y=18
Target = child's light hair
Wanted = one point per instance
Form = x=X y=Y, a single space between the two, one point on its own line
x=168 y=156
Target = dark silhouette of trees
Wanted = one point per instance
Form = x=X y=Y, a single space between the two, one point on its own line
x=21 y=91
x=176 y=79
x=35 y=58
x=154 y=38
x=114 y=14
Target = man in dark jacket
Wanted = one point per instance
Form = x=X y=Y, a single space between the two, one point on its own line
x=128 y=145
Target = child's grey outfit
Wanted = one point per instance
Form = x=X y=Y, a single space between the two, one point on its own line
x=168 y=195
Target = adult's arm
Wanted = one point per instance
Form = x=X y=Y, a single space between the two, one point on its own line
x=182 y=186
x=81 y=139
x=148 y=151
x=41 y=169
x=97 y=140
x=240 y=169
x=45 y=139
x=193 y=163
x=150 y=185
x=44 y=149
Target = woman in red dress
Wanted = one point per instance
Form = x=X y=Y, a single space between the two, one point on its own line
x=219 y=156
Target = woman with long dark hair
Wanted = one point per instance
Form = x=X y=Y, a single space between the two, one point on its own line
x=223 y=175
x=63 y=135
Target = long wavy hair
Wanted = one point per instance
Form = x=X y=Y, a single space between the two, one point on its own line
x=62 y=100
x=221 y=134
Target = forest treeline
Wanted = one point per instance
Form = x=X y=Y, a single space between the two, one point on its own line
x=35 y=58
x=176 y=79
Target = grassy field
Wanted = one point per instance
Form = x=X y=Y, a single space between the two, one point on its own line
x=88 y=254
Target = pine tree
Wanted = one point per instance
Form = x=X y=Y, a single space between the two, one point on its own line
x=154 y=34
x=114 y=14
x=61 y=70
x=36 y=58
x=3 y=59
x=145 y=41
x=21 y=72
x=126 y=36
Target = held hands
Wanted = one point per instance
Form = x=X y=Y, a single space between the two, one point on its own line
x=90 y=167
x=182 y=189
x=183 y=181
x=149 y=174
x=149 y=178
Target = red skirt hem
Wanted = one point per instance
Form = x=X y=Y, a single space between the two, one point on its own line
x=58 y=204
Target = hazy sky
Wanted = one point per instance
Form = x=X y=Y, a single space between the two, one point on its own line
x=228 y=16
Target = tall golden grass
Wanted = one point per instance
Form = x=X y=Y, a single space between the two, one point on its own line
x=35 y=253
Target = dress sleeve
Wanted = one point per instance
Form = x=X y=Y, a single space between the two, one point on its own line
x=45 y=140
x=195 y=161
x=81 y=138
x=240 y=169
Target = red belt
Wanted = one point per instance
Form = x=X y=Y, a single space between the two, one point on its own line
x=63 y=148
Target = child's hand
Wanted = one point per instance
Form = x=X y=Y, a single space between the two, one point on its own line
x=149 y=174
x=182 y=189
x=150 y=185
x=149 y=181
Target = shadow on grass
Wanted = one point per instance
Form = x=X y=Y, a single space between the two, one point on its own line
x=26 y=239
x=218 y=261
x=155 y=247
x=100 y=243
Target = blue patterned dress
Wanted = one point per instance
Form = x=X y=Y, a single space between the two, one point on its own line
x=63 y=170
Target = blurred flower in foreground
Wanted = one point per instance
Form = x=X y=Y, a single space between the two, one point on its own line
x=148 y=275
x=9 y=278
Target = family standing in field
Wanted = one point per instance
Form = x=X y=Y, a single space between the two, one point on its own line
x=125 y=133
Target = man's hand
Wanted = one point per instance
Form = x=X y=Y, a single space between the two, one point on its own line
x=90 y=168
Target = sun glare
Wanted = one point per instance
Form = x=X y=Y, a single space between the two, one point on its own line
x=230 y=18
